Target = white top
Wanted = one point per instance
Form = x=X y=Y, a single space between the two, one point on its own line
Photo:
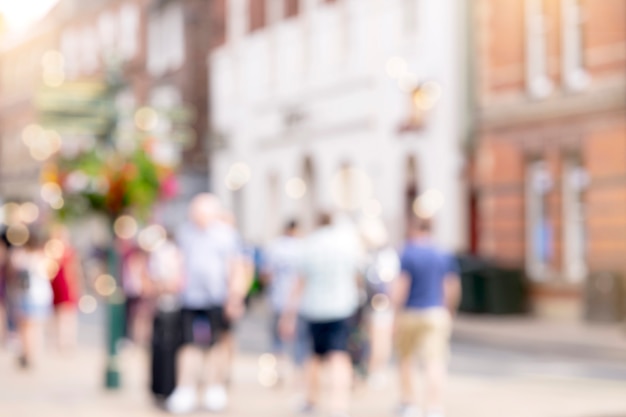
x=207 y=256
x=165 y=262
x=39 y=291
x=330 y=261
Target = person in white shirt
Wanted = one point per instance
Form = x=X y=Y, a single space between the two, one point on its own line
x=33 y=295
x=165 y=267
x=327 y=296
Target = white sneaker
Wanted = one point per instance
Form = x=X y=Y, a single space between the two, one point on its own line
x=215 y=398
x=405 y=410
x=182 y=401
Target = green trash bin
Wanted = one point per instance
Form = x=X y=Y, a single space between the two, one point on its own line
x=473 y=271
x=506 y=291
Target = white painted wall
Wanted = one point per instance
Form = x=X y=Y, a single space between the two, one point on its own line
x=329 y=65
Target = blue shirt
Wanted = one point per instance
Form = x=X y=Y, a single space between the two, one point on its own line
x=427 y=267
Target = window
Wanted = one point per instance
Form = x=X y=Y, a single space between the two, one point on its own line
x=292 y=8
x=574 y=75
x=538 y=82
x=575 y=180
x=166 y=40
x=69 y=49
x=257 y=12
x=107 y=29
x=539 y=232
x=129 y=25
x=90 y=51
x=410 y=16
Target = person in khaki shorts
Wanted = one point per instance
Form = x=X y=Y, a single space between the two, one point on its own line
x=425 y=296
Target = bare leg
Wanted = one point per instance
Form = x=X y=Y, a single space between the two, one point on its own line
x=341 y=374
x=312 y=378
x=407 y=383
x=67 y=327
x=381 y=336
x=435 y=375
x=143 y=329
x=4 y=327
x=189 y=361
x=184 y=398
x=216 y=365
x=29 y=332
x=283 y=369
x=228 y=355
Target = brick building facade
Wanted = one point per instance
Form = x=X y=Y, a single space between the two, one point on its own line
x=549 y=166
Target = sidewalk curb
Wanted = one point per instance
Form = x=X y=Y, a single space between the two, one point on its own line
x=539 y=345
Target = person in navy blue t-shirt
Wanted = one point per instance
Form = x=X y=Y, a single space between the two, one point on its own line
x=425 y=295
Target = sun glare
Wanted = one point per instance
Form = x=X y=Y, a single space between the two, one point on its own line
x=19 y=14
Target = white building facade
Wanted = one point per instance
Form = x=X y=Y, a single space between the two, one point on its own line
x=330 y=90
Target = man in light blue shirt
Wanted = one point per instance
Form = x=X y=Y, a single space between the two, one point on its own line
x=211 y=297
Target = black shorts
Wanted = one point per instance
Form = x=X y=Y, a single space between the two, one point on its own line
x=215 y=319
x=330 y=336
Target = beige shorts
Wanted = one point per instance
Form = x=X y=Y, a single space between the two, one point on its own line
x=424 y=333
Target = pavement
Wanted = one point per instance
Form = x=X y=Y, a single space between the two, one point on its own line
x=529 y=334
x=71 y=386
x=488 y=380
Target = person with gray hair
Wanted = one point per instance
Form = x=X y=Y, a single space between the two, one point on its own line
x=211 y=298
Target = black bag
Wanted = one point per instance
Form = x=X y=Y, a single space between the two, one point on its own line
x=166 y=339
x=358 y=345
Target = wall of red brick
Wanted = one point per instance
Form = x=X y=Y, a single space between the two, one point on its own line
x=605 y=37
x=605 y=152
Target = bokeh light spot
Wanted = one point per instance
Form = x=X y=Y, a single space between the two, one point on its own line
x=18 y=234
x=396 y=67
x=351 y=188
x=146 y=118
x=296 y=188
x=238 y=176
x=380 y=302
x=87 y=304
x=54 y=249
x=51 y=192
x=125 y=227
x=152 y=237
x=105 y=285
x=29 y=212
x=428 y=204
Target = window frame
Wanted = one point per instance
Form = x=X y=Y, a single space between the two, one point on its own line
x=538 y=82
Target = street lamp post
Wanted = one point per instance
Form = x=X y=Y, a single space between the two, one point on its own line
x=115 y=323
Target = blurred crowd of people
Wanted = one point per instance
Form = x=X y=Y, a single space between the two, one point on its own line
x=343 y=300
